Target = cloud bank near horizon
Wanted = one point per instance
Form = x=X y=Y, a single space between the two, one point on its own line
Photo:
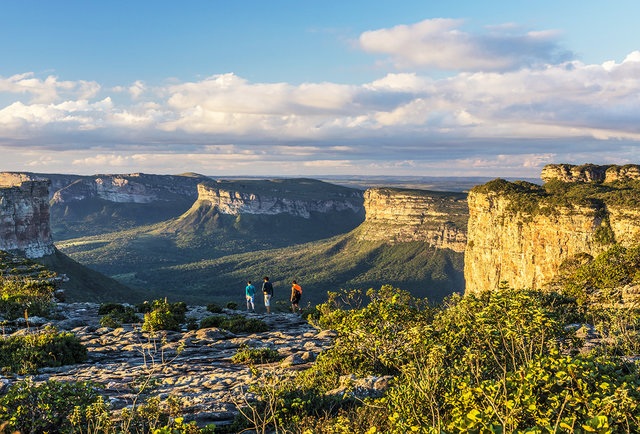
x=518 y=101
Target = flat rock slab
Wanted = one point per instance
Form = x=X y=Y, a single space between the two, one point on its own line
x=192 y=365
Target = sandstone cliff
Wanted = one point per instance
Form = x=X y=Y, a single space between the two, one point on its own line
x=398 y=215
x=24 y=218
x=129 y=188
x=296 y=197
x=522 y=233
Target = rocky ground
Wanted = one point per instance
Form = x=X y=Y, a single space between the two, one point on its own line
x=192 y=365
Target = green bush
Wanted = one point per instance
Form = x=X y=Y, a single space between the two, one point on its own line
x=46 y=407
x=257 y=356
x=232 y=305
x=118 y=315
x=107 y=308
x=25 y=354
x=161 y=318
x=214 y=308
x=164 y=315
x=192 y=323
x=235 y=324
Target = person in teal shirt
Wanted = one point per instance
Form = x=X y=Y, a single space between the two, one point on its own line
x=250 y=291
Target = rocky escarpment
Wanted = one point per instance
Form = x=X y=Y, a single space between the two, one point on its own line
x=24 y=218
x=590 y=173
x=296 y=197
x=129 y=188
x=522 y=233
x=398 y=215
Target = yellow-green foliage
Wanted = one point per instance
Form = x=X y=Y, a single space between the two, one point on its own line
x=25 y=354
x=499 y=362
x=25 y=286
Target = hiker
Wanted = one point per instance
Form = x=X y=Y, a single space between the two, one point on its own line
x=267 y=290
x=250 y=292
x=296 y=294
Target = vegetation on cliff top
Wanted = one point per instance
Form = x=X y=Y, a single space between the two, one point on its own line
x=528 y=198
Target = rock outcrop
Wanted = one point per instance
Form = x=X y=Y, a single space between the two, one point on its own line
x=24 y=217
x=398 y=215
x=129 y=188
x=194 y=366
x=522 y=233
x=590 y=173
x=296 y=197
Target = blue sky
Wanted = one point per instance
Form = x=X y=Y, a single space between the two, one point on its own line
x=302 y=88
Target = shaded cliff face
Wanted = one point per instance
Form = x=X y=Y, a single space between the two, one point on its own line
x=24 y=218
x=296 y=197
x=397 y=215
x=132 y=188
x=522 y=233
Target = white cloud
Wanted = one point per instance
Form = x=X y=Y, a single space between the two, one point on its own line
x=49 y=89
x=439 y=43
x=226 y=121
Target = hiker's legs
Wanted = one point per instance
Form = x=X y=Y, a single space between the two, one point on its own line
x=267 y=302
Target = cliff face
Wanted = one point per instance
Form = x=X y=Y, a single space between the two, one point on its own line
x=24 y=218
x=132 y=188
x=590 y=173
x=283 y=197
x=396 y=215
x=521 y=233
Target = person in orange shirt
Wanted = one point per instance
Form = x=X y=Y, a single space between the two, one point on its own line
x=296 y=295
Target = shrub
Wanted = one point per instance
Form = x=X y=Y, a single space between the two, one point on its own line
x=25 y=354
x=232 y=305
x=161 y=318
x=235 y=324
x=214 y=308
x=257 y=356
x=117 y=316
x=46 y=407
x=110 y=320
x=107 y=308
x=164 y=315
x=192 y=323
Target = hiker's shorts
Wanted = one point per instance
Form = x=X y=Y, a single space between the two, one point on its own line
x=267 y=299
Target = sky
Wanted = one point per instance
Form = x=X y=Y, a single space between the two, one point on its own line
x=291 y=88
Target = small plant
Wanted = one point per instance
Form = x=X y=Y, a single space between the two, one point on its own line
x=235 y=324
x=45 y=407
x=192 y=323
x=107 y=308
x=25 y=354
x=111 y=320
x=214 y=308
x=256 y=356
x=164 y=315
x=232 y=305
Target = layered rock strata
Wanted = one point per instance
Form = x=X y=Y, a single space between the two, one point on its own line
x=522 y=233
x=590 y=173
x=296 y=197
x=398 y=215
x=24 y=218
x=131 y=188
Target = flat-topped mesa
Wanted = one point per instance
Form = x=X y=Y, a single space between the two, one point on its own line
x=401 y=215
x=296 y=197
x=590 y=173
x=24 y=218
x=129 y=188
x=522 y=233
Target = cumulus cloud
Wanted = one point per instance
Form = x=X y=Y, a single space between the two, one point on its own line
x=49 y=89
x=439 y=43
x=225 y=121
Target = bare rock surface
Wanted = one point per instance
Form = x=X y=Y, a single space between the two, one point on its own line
x=194 y=366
